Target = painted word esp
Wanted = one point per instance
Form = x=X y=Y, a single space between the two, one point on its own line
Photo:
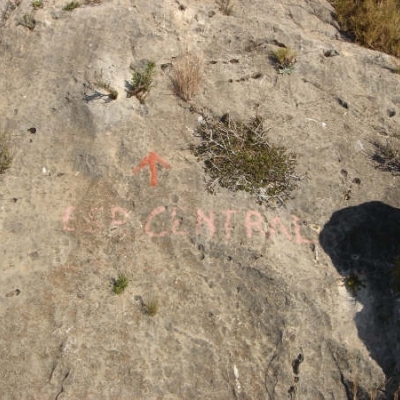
x=93 y=220
x=151 y=160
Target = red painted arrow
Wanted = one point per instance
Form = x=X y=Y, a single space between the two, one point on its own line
x=151 y=160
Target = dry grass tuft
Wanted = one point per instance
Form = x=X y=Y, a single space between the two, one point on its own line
x=284 y=59
x=96 y=82
x=373 y=23
x=187 y=76
x=150 y=306
x=102 y=84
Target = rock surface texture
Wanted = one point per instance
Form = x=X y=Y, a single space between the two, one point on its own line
x=251 y=298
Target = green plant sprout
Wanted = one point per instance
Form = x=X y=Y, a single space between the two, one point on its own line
x=142 y=81
x=120 y=284
x=71 y=6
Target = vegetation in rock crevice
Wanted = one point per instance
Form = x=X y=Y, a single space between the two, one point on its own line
x=353 y=283
x=5 y=154
x=284 y=59
x=372 y=23
x=187 y=76
x=386 y=157
x=150 y=306
x=71 y=6
x=120 y=284
x=238 y=156
x=36 y=4
x=28 y=21
x=142 y=81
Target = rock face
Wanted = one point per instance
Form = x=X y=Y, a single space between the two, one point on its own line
x=251 y=299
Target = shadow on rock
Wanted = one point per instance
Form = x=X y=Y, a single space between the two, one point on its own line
x=364 y=244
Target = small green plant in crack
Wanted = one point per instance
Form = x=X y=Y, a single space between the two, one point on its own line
x=142 y=81
x=150 y=306
x=28 y=21
x=5 y=154
x=284 y=59
x=353 y=283
x=120 y=284
x=71 y=6
x=36 y=4
x=238 y=156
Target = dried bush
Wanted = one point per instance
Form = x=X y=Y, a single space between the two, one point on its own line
x=238 y=156
x=387 y=158
x=373 y=23
x=187 y=76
